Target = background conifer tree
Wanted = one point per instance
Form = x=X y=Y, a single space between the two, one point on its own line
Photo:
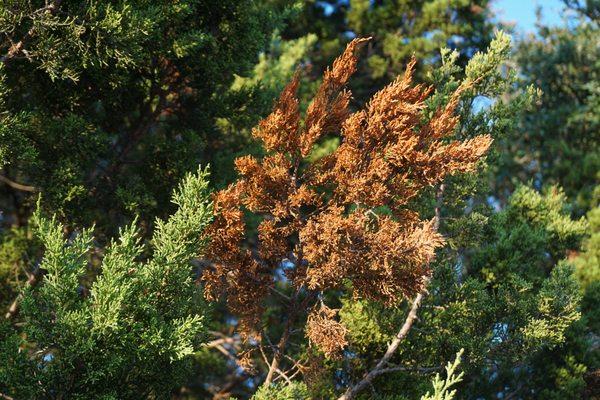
x=558 y=144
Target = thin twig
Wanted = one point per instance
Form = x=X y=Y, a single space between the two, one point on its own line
x=13 y=309
x=222 y=341
x=225 y=352
x=422 y=370
x=284 y=376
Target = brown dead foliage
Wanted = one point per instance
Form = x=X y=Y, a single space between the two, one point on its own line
x=324 y=331
x=324 y=217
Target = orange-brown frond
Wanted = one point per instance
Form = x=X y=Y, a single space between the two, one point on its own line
x=385 y=259
x=345 y=65
x=279 y=130
x=445 y=120
x=329 y=108
x=267 y=183
x=273 y=241
x=228 y=226
x=248 y=284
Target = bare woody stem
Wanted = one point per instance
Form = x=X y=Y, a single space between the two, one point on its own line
x=382 y=365
x=279 y=351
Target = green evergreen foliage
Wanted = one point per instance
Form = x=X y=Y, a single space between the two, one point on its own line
x=558 y=144
x=587 y=263
x=587 y=270
x=289 y=391
x=15 y=255
x=531 y=234
x=441 y=388
x=105 y=106
x=564 y=371
x=130 y=332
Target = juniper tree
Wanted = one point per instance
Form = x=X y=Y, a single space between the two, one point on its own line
x=129 y=333
x=472 y=228
x=558 y=144
x=502 y=316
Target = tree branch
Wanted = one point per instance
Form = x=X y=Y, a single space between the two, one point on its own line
x=16 y=185
x=279 y=351
x=274 y=367
x=380 y=368
x=166 y=103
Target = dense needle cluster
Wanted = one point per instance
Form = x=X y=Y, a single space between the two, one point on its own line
x=325 y=332
x=322 y=222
